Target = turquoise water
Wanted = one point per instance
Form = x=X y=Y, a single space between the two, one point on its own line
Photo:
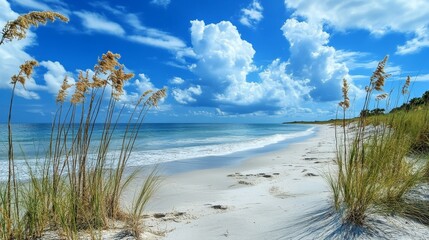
x=158 y=143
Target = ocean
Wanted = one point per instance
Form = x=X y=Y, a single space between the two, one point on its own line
x=176 y=147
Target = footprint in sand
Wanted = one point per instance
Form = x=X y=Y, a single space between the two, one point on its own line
x=276 y=192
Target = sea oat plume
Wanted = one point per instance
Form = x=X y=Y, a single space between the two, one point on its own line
x=81 y=88
x=345 y=89
x=158 y=95
x=98 y=82
x=27 y=67
x=108 y=62
x=381 y=96
x=118 y=78
x=25 y=72
x=17 y=29
x=62 y=93
x=406 y=85
x=379 y=76
x=142 y=97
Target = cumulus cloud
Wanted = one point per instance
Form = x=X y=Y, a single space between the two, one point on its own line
x=176 y=81
x=252 y=15
x=185 y=96
x=312 y=59
x=162 y=3
x=144 y=84
x=135 y=88
x=222 y=56
x=281 y=87
x=224 y=61
x=95 y=22
x=54 y=76
x=373 y=16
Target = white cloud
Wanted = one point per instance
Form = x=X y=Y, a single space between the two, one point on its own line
x=420 y=78
x=25 y=93
x=252 y=15
x=221 y=53
x=107 y=6
x=141 y=34
x=160 y=41
x=414 y=45
x=378 y=17
x=311 y=58
x=163 y=3
x=132 y=19
x=220 y=112
x=43 y=5
x=281 y=87
x=156 y=38
x=134 y=90
x=186 y=96
x=54 y=76
x=176 y=81
x=144 y=84
x=201 y=113
x=33 y=4
x=95 y=22
x=12 y=55
x=224 y=61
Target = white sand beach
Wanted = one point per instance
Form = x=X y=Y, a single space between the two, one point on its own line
x=280 y=195
x=261 y=198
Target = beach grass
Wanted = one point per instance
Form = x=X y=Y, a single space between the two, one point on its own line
x=374 y=170
x=78 y=185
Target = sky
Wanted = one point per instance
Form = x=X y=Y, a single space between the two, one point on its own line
x=252 y=61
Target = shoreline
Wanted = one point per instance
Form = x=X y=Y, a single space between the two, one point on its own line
x=223 y=161
x=254 y=199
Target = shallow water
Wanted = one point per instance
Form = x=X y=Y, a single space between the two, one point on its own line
x=206 y=144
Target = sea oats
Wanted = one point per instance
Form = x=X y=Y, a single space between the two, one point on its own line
x=406 y=85
x=118 y=77
x=27 y=67
x=25 y=72
x=158 y=95
x=379 y=76
x=108 y=62
x=62 y=93
x=98 y=82
x=81 y=88
x=381 y=96
x=17 y=29
x=345 y=89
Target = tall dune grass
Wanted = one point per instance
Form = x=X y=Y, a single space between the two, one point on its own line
x=374 y=172
x=79 y=184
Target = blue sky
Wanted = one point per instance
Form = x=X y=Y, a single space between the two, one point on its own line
x=223 y=60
